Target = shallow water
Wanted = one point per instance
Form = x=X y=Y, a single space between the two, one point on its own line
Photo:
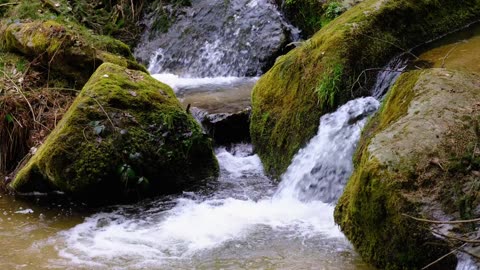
x=238 y=224
x=214 y=95
x=460 y=50
x=25 y=226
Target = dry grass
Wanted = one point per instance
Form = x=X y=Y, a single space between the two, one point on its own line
x=29 y=111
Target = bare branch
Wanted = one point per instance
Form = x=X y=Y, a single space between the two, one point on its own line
x=443 y=222
x=443 y=257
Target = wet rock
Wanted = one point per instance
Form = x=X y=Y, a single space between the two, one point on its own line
x=416 y=157
x=112 y=146
x=228 y=128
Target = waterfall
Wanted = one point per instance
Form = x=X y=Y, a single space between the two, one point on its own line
x=214 y=38
x=245 y=209
x=321 y=169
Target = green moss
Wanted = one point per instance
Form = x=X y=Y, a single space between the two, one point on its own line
x=126 y=136
x=405 y=165
x=364 y=37
x=72 y=51
x=370 y=214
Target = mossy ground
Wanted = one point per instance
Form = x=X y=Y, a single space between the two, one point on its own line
x=126 y=136
x=415 y=156
x=286 y=102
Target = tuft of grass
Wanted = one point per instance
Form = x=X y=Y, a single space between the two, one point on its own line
x=329 y=86
x=334 y=9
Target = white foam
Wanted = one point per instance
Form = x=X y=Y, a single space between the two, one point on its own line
x=241 y=209
x=321 y=169
x=24 y=212
x=191 y=227
x=239 y=165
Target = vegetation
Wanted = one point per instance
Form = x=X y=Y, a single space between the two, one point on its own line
x=311 y=15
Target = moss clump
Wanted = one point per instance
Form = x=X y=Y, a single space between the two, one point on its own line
x=405 y=165
x=364 y=37
x=125 y=136
x=63 y=49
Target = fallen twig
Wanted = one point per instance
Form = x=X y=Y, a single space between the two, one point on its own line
x=106 y=114
x=443 y=222
x=443 y=257
x=9 y=4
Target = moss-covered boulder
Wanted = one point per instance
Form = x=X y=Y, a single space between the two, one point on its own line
x=418 y=156
x=322 y=72
x=125 y=136
x=74 y=52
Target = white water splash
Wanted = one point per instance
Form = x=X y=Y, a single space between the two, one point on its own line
x=320 y=170
x=217 y=38
x=242 y=210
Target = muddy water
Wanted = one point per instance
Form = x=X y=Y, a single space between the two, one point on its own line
x=237 y=226
x=25 y=229
x=212 y=94
x=459 y=51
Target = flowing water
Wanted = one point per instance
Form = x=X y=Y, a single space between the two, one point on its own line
x=215 y=38
x=243 y=222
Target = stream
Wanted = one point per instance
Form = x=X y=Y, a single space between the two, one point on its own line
x=242 y=221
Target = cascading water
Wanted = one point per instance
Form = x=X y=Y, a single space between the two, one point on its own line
x=388 y=75
x=320 y=170
x=242 y=215
x=217 y=38
x=214 y=50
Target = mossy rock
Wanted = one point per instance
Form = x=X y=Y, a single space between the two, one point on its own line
x=125 y=137
x=74 y=53
x=417 y=156
x=322 y=72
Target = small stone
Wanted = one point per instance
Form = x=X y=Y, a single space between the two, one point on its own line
x=133 y=93
x=105 y=76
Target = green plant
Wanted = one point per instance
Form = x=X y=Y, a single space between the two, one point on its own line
x=333 y=10
x=21 y=65
x=290 y=2
x=329 y=85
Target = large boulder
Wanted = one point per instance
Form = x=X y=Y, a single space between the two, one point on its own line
x=125 y=136
x=419 y=156
x=66 y=48
x=323 y=71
